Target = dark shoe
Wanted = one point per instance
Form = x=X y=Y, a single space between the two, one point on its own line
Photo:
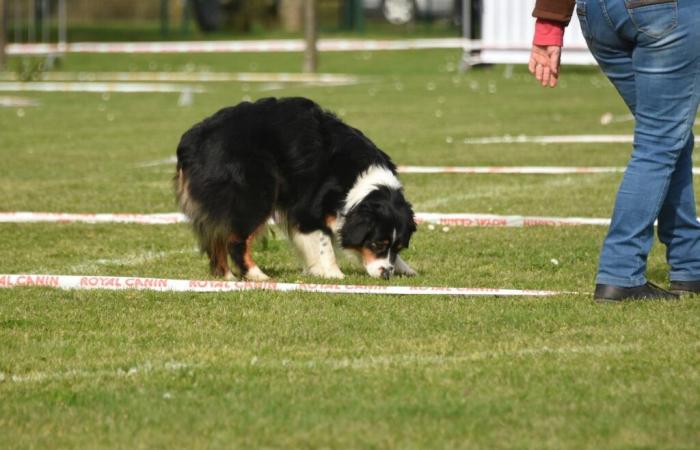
x=649 y=291
x=685 y=287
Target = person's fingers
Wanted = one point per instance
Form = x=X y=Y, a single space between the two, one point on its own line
x=554 y=59
x=545 y=75
x=531 y=64
x=539 y=72
x=553 y=80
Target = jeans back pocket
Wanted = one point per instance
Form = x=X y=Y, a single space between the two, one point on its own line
x=655 y=18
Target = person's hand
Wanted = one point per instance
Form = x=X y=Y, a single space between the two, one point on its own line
x=544 y=64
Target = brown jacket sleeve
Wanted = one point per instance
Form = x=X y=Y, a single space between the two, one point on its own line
x=557 y=10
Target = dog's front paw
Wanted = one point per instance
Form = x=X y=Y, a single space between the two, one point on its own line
x=255 y=274
x=406 y=273
x=403 y=269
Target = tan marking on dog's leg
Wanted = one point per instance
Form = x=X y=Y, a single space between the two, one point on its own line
x=332 y=223
x=218 y=260
x=253 y=272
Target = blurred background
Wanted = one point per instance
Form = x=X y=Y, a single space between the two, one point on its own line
x=138 y=20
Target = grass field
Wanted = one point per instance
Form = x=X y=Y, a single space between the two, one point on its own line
x=258 y=369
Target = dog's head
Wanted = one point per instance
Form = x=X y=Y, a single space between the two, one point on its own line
x=378 y=228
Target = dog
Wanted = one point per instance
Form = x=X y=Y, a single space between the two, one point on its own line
x=292 y=160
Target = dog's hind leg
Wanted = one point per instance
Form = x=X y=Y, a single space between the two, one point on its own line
x=316 y=248
x=241 y=254
x=218 y=259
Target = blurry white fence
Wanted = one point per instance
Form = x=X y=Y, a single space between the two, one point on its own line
x=507 y=27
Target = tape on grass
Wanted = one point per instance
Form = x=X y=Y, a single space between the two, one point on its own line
x=165 y=285
x=463 y=220
x=533 y=170
x=261 y=46
x=565 y=139
x=144 y=219
x=57 y=86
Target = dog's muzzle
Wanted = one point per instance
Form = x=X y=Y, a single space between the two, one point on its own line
x=387 y=272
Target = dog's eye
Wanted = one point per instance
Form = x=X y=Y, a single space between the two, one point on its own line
x=378 y=246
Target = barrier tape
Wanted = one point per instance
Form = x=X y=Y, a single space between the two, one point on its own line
x=144 y=219
x=164 y=285
x=271 y=45
x=492 y=220
x=192 y=77
x=564 y=139
x=58 y=86
x=534 y=170
x=458 y=219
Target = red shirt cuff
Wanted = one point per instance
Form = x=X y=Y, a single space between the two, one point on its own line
x=548 y=32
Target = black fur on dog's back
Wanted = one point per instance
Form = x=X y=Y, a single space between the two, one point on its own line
x=235 y=168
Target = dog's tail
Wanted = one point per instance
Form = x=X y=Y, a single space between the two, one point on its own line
x=210 y=234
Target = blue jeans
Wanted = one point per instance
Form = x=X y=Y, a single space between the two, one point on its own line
x=650 y=50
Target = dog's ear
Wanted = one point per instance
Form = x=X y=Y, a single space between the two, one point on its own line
x=355 y=229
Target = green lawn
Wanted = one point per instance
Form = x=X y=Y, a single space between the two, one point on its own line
x=300 y=370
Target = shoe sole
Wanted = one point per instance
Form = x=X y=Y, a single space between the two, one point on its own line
x=607 y=301
x=684 y=293
x=635 y=299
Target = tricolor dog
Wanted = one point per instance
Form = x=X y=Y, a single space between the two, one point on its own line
x=291 y=160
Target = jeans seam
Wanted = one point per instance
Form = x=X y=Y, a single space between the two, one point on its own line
x=604 y=9
x=690 y=120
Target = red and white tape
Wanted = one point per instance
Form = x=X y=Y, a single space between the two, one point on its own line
x=144 y=219
x=271 y=45
x=492 y=220
x=58 y=86
x=564 y=139
x=510 y=170
x=164 y=285
x=193 y=77
x=463 y=220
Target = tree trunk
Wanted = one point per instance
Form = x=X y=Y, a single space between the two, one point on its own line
x=310 y=34
x=291 y=15
x=3 y=33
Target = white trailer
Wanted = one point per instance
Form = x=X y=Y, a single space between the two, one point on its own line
x=506 y=35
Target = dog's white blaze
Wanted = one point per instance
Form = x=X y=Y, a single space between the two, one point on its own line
x=368 y=181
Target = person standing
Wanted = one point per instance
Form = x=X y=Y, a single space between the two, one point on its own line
x=650 y=51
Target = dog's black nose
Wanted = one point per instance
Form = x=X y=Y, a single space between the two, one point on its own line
x=386 y=272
